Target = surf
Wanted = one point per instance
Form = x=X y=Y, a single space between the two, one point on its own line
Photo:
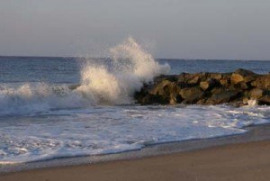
x=100 y=83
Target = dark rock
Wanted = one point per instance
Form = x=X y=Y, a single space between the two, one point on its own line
x=216 y=76
x=183 y=77
x=166 y=92
x=256 y=93
x=182 y=85
x=244 y=72
x=191 y=95
x=224 y=82
x=171 y=78
x=242 y=85
x=220 y=96
x=236 y=78
x=242 y=75
x=262 y=82
x=247 y=74
x=265 y=100
x=74 y=86
x=192 y=79
x=202 y=101
x=208 y=85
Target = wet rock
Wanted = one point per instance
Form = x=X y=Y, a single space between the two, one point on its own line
x=184 y=77
x=204 y=85
x=223 y=96
x=183 y=85
x=242 y=75
x=208 y=85
x=265 y=100
x=238 y=88
x=246 y=74
x=262 y=82
x=165 y=92
x=171 y=78
x=242 y=85
x=224 y=82
x=256 y=93
x=236 y=78
x=216 y=76
x=191 y=95
x=194 y=80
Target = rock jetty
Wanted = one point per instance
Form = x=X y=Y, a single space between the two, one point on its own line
x=237 y=88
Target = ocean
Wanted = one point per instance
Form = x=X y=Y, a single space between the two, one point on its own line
x=53 y=107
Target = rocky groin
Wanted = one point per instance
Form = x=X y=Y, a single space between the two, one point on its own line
x=237 y=88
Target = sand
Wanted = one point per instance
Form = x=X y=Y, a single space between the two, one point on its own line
x=244 y=161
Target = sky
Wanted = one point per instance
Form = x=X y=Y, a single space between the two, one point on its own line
x=190 y=29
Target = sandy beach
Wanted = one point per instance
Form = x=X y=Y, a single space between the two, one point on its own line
x=245 y=161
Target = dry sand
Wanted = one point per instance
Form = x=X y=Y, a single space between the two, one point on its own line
x=244 y=162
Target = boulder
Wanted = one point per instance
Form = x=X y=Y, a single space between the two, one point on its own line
x=256 y=93
x=216 y=76
x=204 y=85
x=236 y=78
x=191 y=95
x=194 y=80
x=242 y=86
x=208 y=85
x=242 y=75
x=184 y=77
x=221 y=96
x=166 y=92
x=262 y=82
x=247 y=74
x=224 y=82
x=189 y=78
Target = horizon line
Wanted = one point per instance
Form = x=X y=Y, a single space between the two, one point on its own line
x=162 y=58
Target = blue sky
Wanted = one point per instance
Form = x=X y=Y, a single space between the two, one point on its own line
x=211 y=29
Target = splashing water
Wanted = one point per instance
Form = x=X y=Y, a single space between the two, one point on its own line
x=100 y=84
x=130 y=68
x=131 y=59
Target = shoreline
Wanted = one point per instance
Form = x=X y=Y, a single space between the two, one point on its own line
x=254 y=134
x=242 y=161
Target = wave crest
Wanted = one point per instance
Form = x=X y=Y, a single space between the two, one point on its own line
x=116 y=83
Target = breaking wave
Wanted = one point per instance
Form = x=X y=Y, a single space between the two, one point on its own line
x=131 y=66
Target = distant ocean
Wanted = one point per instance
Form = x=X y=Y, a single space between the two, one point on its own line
x=65 y=107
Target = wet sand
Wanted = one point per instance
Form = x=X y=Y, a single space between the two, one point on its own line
x=243 y=161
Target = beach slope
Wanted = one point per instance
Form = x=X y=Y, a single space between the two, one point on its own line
x=245 y=161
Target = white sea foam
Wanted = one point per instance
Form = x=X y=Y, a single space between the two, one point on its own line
x=110 y=129
x=35 y=97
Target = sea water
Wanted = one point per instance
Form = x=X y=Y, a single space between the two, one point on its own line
x=63 y=107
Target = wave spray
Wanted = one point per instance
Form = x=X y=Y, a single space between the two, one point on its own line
x=113 y=83
x=131 y=67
